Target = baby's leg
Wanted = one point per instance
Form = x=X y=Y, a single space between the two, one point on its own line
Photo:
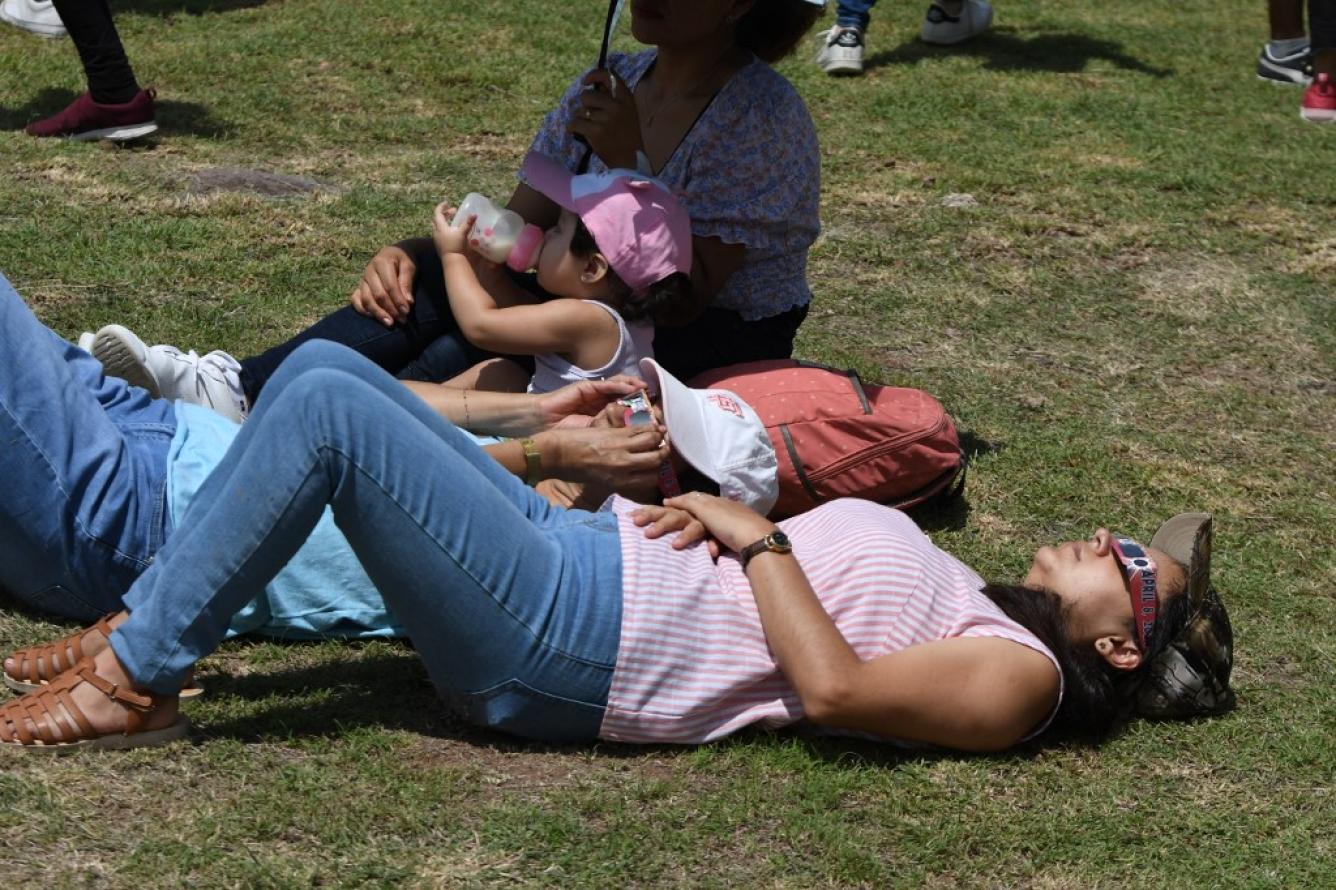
x=492 y=375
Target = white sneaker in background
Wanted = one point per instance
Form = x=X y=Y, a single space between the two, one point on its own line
x=212 y=381
x=38 y=16
x=942 y=29
x=841 y=51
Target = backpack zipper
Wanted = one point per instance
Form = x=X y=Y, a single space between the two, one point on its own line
x=865 y=455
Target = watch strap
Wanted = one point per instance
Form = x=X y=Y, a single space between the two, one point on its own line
x=775 y=542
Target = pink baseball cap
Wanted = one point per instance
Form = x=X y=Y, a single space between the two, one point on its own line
x=636 y=222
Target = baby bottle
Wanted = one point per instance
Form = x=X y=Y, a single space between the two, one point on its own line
x=500 y=235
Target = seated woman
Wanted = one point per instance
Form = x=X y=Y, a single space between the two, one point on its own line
x=100 y=475
x=700 y=110
x=846 y=617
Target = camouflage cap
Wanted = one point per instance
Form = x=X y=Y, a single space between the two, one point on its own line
x=1190 y=676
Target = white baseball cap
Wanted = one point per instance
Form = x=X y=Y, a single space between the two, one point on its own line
x=720 y=435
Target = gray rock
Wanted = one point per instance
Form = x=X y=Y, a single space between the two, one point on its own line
x=959 y=199
x=262 y=182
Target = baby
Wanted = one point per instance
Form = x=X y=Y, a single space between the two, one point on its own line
x=619 y=254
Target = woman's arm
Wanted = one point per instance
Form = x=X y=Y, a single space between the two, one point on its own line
x=600 y=456
x=978 y=694
x=578 y=404
x=713 y=262
x=974 y=694
x=602 y=459
x=534 y=206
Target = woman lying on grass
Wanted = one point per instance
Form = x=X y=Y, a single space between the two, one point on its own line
x=571 y=626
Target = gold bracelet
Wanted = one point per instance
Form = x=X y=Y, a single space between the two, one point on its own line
x=533 y=462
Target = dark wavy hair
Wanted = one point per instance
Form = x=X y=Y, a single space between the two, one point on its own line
x=1097 y=698
x=772 y=28
x=665 y=299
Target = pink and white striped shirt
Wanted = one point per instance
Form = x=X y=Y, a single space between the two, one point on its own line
x=693 y=664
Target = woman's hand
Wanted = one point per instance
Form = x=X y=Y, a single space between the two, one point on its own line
x=584 y=400
x=385 y=292
x=728 y=522
x=448 y=238
x=659 y=521
x=625 y=460
x=608 y=119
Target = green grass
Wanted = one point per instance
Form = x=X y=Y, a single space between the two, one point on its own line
x=1137 y=318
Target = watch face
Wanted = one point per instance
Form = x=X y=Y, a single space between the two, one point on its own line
x=780 y=541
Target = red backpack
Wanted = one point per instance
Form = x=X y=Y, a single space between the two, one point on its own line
x=835 y=437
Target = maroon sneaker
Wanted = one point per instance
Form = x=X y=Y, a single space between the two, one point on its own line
x=85 y=119
x=1319 y=102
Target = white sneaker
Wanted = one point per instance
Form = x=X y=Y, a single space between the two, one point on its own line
x=841 y=51
x=37 y=16
x=212 y=381
x=942 y=29
x=86 y=342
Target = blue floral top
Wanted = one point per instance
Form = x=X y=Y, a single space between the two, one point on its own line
x=748 y=172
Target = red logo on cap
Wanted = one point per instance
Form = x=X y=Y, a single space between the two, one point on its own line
x=724 y=403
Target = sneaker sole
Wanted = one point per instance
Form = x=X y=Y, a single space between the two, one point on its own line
x=1282 y=76
x=842 y=69
x=1318 y=116
x=1284 y=81
x=116 y=134
x=111 y=742
x=119 y=360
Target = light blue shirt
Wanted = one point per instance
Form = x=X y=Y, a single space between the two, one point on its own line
x=323 y=592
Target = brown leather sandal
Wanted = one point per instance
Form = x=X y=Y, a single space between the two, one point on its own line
x=48 y=720
x=38 y=664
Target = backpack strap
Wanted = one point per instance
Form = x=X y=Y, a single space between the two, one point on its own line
x=854 y=380
x=798 y=464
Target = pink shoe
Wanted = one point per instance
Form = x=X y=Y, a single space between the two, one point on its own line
x=1319 y=102
x=85 y=119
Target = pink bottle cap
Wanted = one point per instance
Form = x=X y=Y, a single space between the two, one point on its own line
x=524 y=255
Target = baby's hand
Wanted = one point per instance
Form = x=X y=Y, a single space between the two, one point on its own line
x=448 y=238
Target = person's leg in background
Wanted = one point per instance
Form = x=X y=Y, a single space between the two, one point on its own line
x=82 y=507
x=1285 y=58
x=842 y=46
x=1319 y=102
x=115 y=107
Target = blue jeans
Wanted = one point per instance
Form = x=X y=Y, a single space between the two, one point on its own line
x=514 y=605
x=854 y=13
x=84 y=461
x=425 y=346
